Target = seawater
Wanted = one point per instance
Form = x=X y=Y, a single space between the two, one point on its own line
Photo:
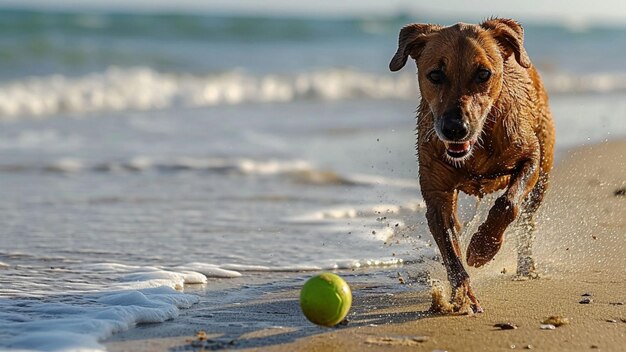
x=146 y=159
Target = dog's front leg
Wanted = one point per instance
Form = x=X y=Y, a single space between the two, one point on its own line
x=486 y=243
x=443 y=224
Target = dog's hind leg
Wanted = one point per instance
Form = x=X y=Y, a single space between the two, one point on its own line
x=525 y=233
x=525 y=230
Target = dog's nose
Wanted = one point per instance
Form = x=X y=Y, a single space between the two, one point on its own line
x=453 y=127
x=455 y=130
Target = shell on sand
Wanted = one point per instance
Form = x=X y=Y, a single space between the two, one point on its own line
x=555 y=320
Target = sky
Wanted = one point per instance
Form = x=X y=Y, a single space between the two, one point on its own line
x=595 y=11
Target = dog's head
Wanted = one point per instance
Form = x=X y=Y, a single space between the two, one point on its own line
x=460 y=73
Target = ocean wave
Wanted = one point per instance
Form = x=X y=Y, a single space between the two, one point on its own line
x=233 y=270
x=74 y=307
x=141 y=88
x=37 y=325
x=296 y=170
x=379 y=222
x=564 y=83
x=120 y=89
x=83 y=304
x=351 y=212
x=243 y=166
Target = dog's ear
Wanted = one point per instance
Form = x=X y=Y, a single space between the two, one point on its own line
x=510 y=37
x=411 y=41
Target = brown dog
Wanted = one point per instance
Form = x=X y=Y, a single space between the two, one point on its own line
x=483 y=125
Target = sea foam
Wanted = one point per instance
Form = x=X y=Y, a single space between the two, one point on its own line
x=37 y=318
x=143 y=88
x=42 y=326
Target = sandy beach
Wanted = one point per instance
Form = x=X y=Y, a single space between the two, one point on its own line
x=172 y=174
x=580 y=248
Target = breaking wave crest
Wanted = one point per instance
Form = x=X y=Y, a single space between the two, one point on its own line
x=244 y=166
x=142 y=88
x=297 y=170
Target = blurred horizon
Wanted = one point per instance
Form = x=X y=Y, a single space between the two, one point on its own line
x=575 y=14
x=82 y=61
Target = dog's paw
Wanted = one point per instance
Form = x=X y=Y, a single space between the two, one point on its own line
x=526 y=277
x=482 y=249
x=526 y=268
x=465 y=300
x=462 y=302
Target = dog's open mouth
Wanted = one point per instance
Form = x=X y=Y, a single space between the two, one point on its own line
x=459 y=150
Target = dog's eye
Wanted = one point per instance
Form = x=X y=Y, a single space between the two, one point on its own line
x=436 y=76
x=483 y=75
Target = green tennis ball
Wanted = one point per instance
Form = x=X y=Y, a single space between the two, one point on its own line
x=325 y=299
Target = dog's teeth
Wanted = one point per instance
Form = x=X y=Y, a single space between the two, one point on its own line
x=458 y=147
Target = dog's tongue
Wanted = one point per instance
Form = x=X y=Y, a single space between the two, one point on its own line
x=458 y=147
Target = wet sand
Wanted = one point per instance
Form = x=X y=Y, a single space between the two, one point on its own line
x=580 y=248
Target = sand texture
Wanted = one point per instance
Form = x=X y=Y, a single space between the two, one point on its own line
x=581 y=253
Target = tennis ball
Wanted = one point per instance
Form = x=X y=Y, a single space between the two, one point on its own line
x=325 y=299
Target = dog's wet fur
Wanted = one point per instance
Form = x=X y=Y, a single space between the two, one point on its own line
x=483 y=125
